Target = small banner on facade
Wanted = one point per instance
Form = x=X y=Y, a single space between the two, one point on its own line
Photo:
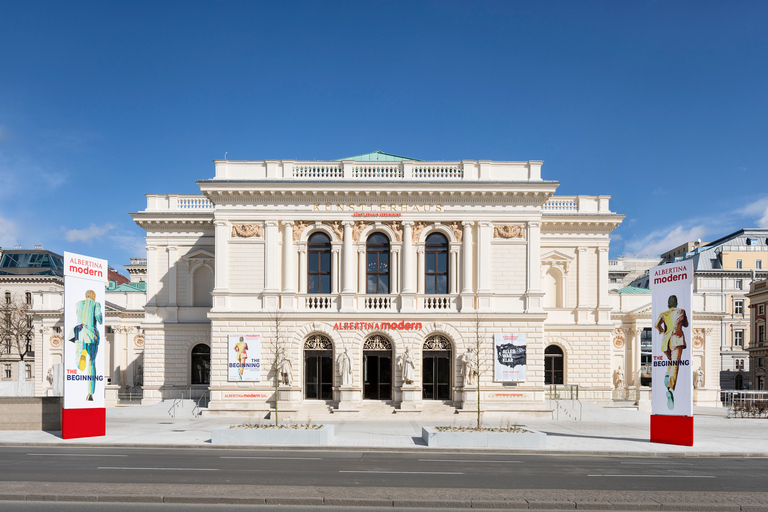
x=244 y=358
x=509 y=358
x=672 y=390
x=85 y=279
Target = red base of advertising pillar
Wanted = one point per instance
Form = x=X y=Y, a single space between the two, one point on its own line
x=672 y=429
x=76 y=423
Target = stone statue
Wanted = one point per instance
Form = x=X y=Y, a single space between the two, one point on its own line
x=344 y=363
x=469 y=368
x=284 y=367
x=619 y=378
x=698 y=381
x=407 y=366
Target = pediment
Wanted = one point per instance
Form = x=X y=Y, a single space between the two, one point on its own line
x=198 y=257
x=556 y=259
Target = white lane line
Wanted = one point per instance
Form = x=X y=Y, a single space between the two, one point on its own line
x=665 y=463
x=657 y=476
x=465 y=460
x=159 y=469
x=71 y=455
x=405 y=472
x=276 y=458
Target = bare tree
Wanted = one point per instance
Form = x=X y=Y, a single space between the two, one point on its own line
x=479 y=335
x=16 y=325
x=281 y=362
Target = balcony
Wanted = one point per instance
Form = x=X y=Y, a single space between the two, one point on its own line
x=377 y=303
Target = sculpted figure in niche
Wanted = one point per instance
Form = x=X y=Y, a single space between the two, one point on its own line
x=284 y=367
x=344 y=363
x=619 y=378
x=698 y=381
x=469 y=368
x=406 y=366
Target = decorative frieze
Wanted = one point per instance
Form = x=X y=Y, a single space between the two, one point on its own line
x=618 y=338
x=298 y=228
x=246 y=230
x=318 y=342
x=337 y=228
x=358 y=229
x=437 y=343
x=698 y=338
x=138 y=340
x=397 y=228
x=509 y=231
x=418 y=227
x=56 y=340
x=377 y=342
x=455 y=226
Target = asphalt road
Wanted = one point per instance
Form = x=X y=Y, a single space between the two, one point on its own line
x=378 y=469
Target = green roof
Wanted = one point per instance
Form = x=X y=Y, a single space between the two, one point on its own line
x=633 y=289
x=128 y=287
x=378 y=156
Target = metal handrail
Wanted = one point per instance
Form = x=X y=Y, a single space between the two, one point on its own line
x=198 y=407
x=179 y=402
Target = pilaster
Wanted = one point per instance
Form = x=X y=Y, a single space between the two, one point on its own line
x=534 y=295
x=467 y=297
x=172 y=311
x=271 y=265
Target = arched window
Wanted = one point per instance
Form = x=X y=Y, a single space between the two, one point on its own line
x=436 y=368
x=738 y=381
x=436 y=264
x=201 y=364
x=553 y=365
x=202 y=287
x=319 y=263
x=377 y=271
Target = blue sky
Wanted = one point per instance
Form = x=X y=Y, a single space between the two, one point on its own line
x=662 y=105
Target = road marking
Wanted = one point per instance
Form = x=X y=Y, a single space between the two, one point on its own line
x=160 y=469
x=465 y=460
x=664 y=463
x=404 y=472
x=276 y=458
x=72 y=455
x=657 y=476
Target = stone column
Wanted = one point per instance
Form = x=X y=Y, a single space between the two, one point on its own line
x=348 y=260
x=303 y=269
x=582 y=306
x=152 y=275
x=394 y=259
x=407 y=257
x=361 y=278
x=453 y=270
x=407 y=294
x=172 y=310
x=222 y=241
x=484 y=235
x=288 y=294
x=334 y=270
x=533 y=293
x=467 y=297
x=603 y=306
x=271 y=265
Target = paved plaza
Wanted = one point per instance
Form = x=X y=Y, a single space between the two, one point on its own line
x=598 y=431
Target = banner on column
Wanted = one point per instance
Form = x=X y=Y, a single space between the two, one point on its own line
x=85 y=279
x=244 y=354
x=509 y=358
x=672 y=390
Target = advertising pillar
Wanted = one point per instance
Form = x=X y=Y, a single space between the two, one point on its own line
x=672 y=378
x=84 y=413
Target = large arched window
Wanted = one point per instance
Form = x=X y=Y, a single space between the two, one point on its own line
x=436 y=264
x=202 y=287
x=553 y=365
x=319 y=263
x=201 y=364
x=377 y=270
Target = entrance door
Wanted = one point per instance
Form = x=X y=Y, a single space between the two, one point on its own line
x=377 y=375
x=318 y=375
x=437 y=376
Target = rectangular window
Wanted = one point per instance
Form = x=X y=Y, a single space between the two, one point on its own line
x=738 y=339
x=759 y=264
x=8 y=374
x=738 y=307
x=738 y=263
x=761 y=309
x=739 y=284
x=28 y=297
x=760 y=333
x=28 y=371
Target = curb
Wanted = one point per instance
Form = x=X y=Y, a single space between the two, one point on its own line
x=362 y=502
x=399 y=449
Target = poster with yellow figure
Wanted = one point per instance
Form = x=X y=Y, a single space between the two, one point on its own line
x=244 y=358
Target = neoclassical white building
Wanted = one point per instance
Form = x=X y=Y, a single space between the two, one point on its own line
x=375 y=256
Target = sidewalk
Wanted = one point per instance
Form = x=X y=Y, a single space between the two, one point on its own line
x=601 y=431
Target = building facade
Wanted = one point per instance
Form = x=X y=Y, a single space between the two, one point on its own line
x=373 y=280
x=758 y=346
x=724 y=270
